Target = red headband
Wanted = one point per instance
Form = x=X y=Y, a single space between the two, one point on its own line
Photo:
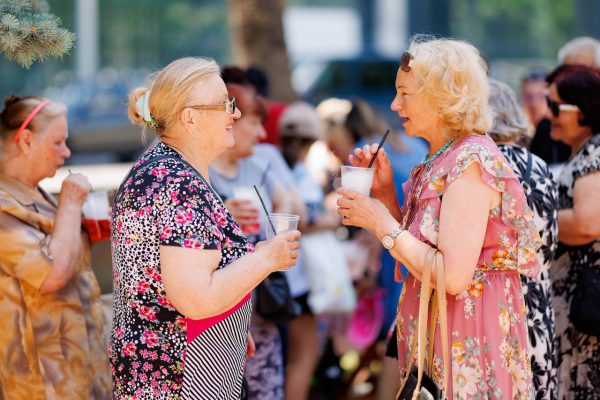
x=31 y=115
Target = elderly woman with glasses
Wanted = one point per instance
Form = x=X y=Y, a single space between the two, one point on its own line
x=574 y=102
x=464 y=201
x=509 y=128
x=183 y=269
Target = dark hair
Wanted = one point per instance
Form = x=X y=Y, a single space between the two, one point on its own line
x=579 y=85
x=233 y=74
x=363 y=121
x=257 y=78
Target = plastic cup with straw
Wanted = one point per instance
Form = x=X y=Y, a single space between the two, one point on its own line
x=360 y=179
x=277 y=223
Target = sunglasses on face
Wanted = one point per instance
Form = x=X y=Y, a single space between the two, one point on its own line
x=556 y=108
x=228 y=106
x=405 y=61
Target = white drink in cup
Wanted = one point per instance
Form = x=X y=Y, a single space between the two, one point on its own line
x=357 y=178
x=96 y=215
x=282 y=223
x=248 y=193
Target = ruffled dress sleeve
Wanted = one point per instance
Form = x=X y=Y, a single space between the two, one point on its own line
x=511 y=240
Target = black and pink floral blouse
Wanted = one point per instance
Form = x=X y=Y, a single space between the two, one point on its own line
x=164 y=202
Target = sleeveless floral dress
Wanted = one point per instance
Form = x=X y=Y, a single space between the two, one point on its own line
x=487 y=332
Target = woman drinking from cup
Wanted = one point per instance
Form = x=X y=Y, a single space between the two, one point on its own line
x=52 y=339
x=464 y=207
x=183 y=269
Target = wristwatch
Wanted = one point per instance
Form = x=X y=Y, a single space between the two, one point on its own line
x=389 y=240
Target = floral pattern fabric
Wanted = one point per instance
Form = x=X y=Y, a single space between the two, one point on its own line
x=163 y=203
x=579 y=353
x=487 y=330
x=542 y=197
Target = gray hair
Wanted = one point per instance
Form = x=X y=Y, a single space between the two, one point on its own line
x=581 y=48
x=509 y=123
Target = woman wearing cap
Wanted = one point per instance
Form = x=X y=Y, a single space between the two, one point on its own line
x=52 y=342
x=574 y=102
x=509 y=128
x=464 y=202
x=183 y=270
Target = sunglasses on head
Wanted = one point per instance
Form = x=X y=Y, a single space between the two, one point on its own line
x=556 y=108
x=405 y=61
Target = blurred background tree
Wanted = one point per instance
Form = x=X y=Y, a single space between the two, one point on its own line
x=257 y=40
x=29 y=33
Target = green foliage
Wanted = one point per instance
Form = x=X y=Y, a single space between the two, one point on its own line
x=515 y=28
x=28 y=33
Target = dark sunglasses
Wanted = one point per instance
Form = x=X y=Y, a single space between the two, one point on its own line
x=405 y=61
x=556 y=108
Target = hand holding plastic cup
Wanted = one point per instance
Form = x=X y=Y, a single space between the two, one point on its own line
x=281 y=223
x=248 y=193
x=96 y=215
x=358 y=179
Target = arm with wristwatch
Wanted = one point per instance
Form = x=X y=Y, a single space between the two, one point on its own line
x=461 y=229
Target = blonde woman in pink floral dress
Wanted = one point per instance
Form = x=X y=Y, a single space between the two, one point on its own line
x=464 y=200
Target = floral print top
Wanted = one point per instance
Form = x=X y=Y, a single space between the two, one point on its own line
x=487 y=332
x=164 y=202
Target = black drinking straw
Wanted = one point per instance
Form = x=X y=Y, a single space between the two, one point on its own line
x=385 y=135
x=265 y=208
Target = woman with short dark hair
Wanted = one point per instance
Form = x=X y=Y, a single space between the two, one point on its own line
x=574 y=102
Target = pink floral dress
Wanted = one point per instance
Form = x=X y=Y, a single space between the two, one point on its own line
x=486 y=323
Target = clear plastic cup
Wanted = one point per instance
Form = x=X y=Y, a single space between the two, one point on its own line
x=96 y=215
x=357 y=178
x=248 y=193
x=282 y=223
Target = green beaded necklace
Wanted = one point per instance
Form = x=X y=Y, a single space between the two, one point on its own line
x=427 y=159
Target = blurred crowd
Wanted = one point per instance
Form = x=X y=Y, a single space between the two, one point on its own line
x=212 y=299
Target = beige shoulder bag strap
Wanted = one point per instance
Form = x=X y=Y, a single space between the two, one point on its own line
x=423 y=314
x=443 y=314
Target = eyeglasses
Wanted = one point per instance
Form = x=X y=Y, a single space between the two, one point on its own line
x=405 y=61
x=556 y=108
x=228 y=106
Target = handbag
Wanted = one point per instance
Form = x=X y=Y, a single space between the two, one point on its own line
x=331 y=289
x=417 y=385
x=584 y=313
x=274 y=301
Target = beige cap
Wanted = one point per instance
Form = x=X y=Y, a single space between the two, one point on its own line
x=301 y=120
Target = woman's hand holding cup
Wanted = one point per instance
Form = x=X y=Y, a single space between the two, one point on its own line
x=74 y=190
x=383 y=177
x=281 y=251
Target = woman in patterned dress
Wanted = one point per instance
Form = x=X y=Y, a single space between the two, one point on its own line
x=52 y=344
x=574 y=100
x=510 y=127
x=183 y=270
x=464 y=200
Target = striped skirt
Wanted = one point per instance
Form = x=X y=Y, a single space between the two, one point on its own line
x=216 y=355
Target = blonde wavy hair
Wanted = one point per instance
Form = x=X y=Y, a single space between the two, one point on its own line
x=171 y=91
x=453 y=79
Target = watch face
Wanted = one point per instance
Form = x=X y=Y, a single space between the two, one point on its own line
x=387 y=241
